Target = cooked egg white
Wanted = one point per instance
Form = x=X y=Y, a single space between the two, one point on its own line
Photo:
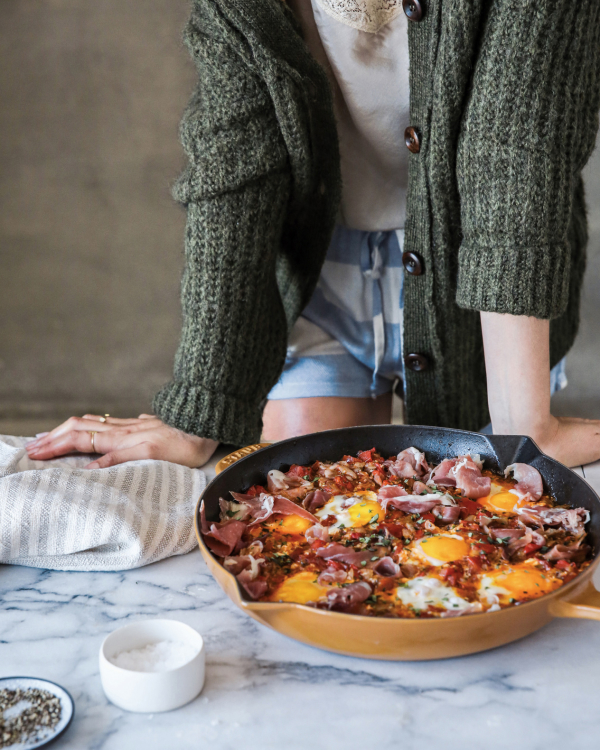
x=364 y=510
x=301 y=588
x=440 y=548
x=423 y=592
x=520 y=581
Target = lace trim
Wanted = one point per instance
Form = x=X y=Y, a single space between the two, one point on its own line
x=365 y=15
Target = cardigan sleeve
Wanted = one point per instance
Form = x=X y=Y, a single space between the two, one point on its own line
x=236 y=188
x=528 y=129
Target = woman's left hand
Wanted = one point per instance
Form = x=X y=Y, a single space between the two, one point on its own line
x=121 y=440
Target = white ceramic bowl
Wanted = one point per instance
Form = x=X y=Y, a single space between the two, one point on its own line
x=151 y=692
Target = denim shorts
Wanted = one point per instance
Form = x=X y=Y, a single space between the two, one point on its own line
x=348 y=340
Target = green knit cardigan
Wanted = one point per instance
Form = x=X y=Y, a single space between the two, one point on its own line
x=505 y=97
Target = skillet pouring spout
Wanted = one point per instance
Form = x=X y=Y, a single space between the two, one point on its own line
x=397 y=638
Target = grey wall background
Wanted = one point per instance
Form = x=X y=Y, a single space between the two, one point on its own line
x=90 y=241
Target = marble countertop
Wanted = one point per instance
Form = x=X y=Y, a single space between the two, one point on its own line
x=265 y=691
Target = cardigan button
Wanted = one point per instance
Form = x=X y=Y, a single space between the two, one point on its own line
x=412 y=263
x=412 y=140
x=413 y=9
x=416 y=362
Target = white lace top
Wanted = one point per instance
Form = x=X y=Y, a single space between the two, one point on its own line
x=364 y=46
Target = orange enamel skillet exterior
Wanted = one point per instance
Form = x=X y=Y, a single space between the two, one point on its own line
x=409 y=639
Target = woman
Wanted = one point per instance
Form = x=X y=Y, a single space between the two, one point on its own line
x=452 y=263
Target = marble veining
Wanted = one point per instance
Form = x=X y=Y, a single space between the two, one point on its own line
x=265 y=691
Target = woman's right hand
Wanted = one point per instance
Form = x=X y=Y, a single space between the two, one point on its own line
x=121 y=440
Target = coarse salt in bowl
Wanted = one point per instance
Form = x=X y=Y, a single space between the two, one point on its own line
x=152 y=665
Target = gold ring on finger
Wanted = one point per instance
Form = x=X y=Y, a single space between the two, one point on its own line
x=103 y=419
x=93 y=435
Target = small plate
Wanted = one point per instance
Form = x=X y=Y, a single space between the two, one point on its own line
x=66 y=703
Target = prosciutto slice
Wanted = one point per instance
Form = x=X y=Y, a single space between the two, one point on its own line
x=420 y=488
x=386 y=567
x=293 y=486
x=235 y=565
x=529 y=537
x=529 y=480
x=567 y=551
x=413 y=503
x=447 y=513
x=409 y=463
x=347 y=597
x=389 y=492
x=442 y=475
x=469 y=479
x=221 y=538
x=315 y=500
x=317 y=532
x=347 y=555
x=397 y=497
x=257 y=508
x=263 y=507
x=572 y=520
x=506 y=533
x=331 y=575
x=254 y=587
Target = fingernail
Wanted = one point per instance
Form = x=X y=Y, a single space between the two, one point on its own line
x=42 y=434
x=93 y=465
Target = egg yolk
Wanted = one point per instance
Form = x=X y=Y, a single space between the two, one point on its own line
x=365 y=512
x=504 y=501
x=291 y=524
x=445 y=548
x=301 y=589
x=525 y=582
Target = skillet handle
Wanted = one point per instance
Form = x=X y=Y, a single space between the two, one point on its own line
x=224 y=463
x=585 y=605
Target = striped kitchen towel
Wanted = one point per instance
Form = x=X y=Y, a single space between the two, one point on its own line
x=58 y=515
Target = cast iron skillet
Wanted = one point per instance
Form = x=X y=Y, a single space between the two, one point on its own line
x=409 y=639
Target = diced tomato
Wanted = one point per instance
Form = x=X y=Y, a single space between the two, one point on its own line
x=419 y=533
x=428 y=517
x=468 y=507
x=299 y=471
x=355 y=535
x=328 y=520
x=336 y=565
x=379 y=475
x=486 y=547
x=366 y=455
x=395 y=529
x=343 y=484
x=317 y=544
x=531 y=547
x=256 y=490
x=563 y=564
x=474 y=563
x=452 y=574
